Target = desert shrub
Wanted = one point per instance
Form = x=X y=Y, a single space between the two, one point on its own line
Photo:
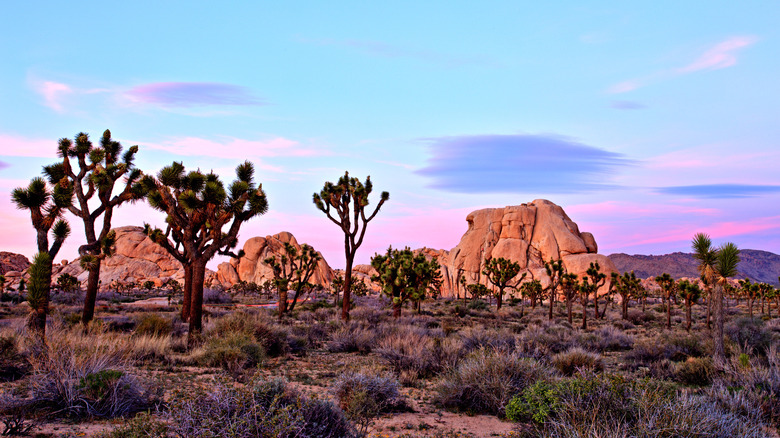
x=637 y=317
x=485 y=381
x=264 y=409
x=153 y=324
x=364 y=396
x=609 y=338
x=478 y=305
x=414 y=349
x=143 y=425
x=577 y=359
x=233 y=352
x=68 y=298
x=674 y=347
x=750 y=333
x=216 y=296
x=475 y=338
x=352 y=338
x=695 y=371
x=612 y=406
x=545 y=339
x=274 y=338
x=85 y=375
x=116 y=323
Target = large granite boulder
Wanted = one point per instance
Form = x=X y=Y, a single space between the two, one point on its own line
x=252 y=268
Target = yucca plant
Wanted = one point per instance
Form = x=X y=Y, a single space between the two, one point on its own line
x=404 y=276
x=38 y=293
x=198 y=207
x=345 y=203
x=706 y=255
x=690 y=293
x=725 y=266
x=668 y=289
x=554 y=270
x=92 y=172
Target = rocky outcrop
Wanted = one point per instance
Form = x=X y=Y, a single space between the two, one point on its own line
x=252 y=268
x=13 y=262
x=528 y=234
x=136 y=259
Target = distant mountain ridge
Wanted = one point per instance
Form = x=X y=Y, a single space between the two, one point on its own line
x=758 y=266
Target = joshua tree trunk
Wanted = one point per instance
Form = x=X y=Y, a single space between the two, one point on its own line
x=719 y=351
x=196 y=302
x=347 y=283
x=569 y=310
x=500 y=297
x=709 y=309
x=585 y=311
x=596 y=305
x=282 y=306
x=187 y=298
x=668 y=313
x=396 y=307
x=624 y=306
x=91 y=296
x=552 y=302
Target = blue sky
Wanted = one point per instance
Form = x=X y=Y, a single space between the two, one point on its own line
x=647 y=121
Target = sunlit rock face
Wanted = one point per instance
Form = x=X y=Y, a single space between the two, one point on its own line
x=528 y=234
x=252 y=268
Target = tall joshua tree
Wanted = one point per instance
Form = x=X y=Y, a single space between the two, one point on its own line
x=690 y=293
x=501 y=272
x=725 y=266
x=590 y=285
x=293 y=270
x=198 y=207
x=94 y=175
x=46 y=206
x=345 y=204
x=706 y=255
x=406 y=276
x=668 y=288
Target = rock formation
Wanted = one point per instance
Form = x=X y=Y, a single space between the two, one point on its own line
x=137 y=259
x=251 y=267
x=528 y=234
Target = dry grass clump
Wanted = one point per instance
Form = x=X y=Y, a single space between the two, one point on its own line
x=364 y=396
x=575 y=360
x=274 y=338
x=474 y=338
x=676 y=347
x=545 y=339
x=486 y=380
x=413 y=349
x=695 y=371
x=153 y=324
x=13 y=364
x=351 y=338
x=607 y=338
x=79 y=374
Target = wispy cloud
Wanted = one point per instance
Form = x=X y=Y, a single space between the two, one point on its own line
x=3 y=165
x=378 y=48
x=721 y=55
x=53 y=93
x=627 y=105
x=720 y=191
x=535 y=164
x=236 y=148
x=187 y=94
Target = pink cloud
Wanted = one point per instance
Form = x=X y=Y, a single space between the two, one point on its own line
x=18 y=146
x=721 y=55
x=624 y=87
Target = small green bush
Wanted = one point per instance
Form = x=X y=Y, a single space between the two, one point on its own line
x=99 y=385
x=478 y=305
x=750 y=333
x=234 y=352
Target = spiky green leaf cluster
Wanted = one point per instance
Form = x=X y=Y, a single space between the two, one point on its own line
x=404 y=275
x=39 y=284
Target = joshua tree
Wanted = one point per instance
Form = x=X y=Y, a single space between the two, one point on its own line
x=46 y=207
x=344 y=203
x=597 y=279
x=406 y=276
x=500 y=272
x=533 y=290
x=765 y=292
x=749 y=290
x=67 y=283
x=725 y=266
x=690 y=293
x=477 y=290
x=198 y=206
x=570 y=288
x=93 y=176
x=590 y=285
x=706 y=255
x=293 y=270
x=627 y=286
x=554 y=270
x=336 y=286
x=668 y=287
